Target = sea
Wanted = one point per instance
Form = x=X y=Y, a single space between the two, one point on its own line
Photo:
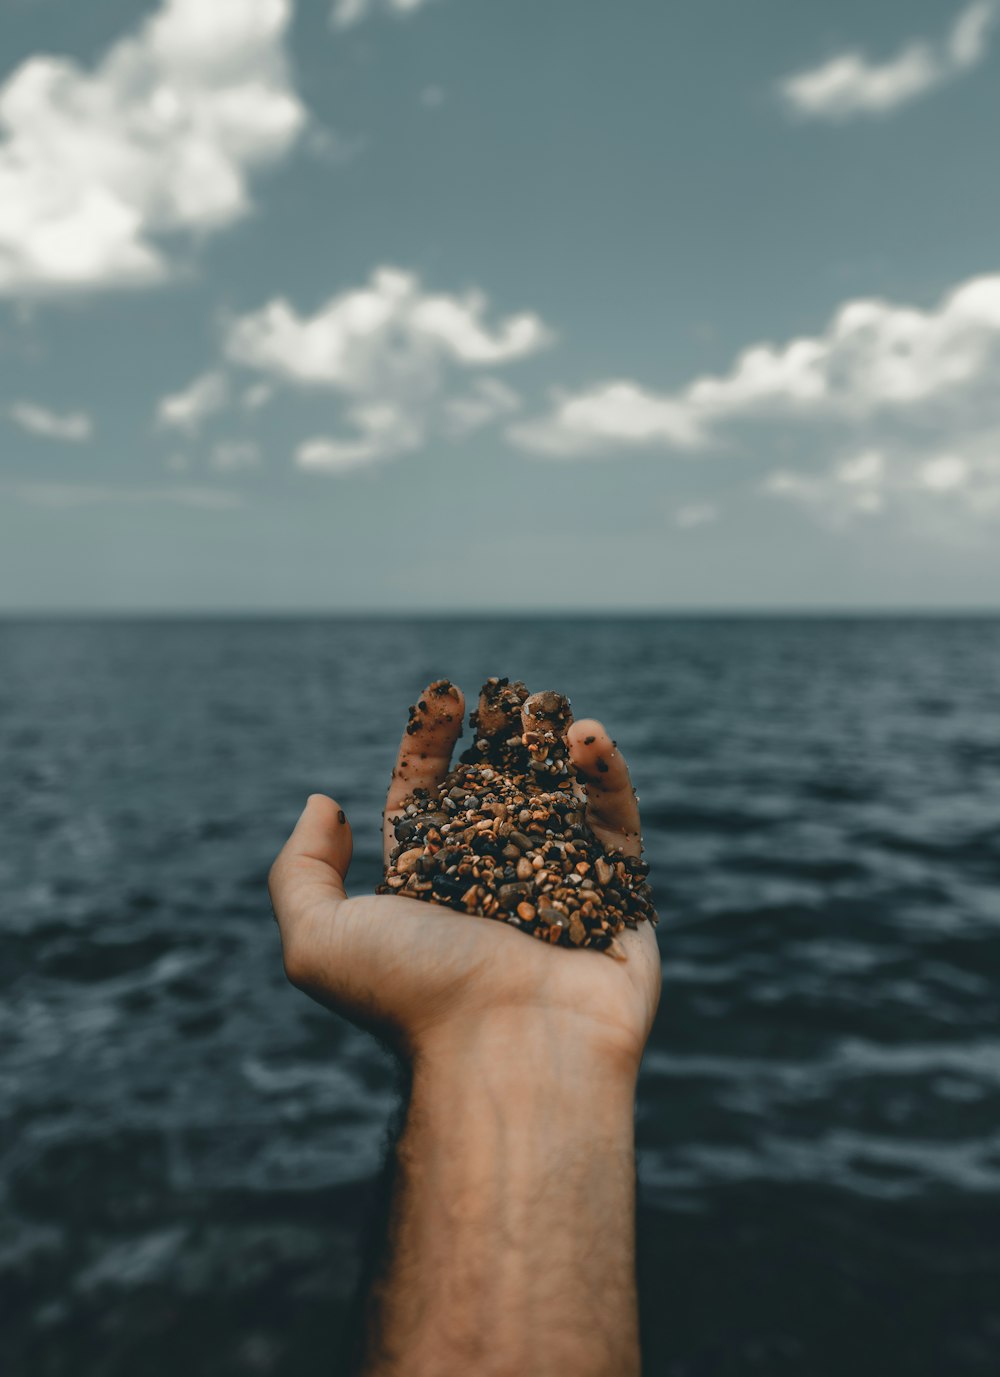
x=191 y=1150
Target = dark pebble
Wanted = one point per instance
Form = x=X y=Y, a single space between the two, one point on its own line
x=510 y=895
x=450 y=886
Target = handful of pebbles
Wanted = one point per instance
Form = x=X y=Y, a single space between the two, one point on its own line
x=505 y=835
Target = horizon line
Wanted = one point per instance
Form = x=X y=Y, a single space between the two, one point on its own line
x=775 y=612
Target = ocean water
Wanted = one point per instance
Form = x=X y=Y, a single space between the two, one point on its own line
x=188 y=1146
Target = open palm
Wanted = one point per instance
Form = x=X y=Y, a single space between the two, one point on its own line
x=412 y=971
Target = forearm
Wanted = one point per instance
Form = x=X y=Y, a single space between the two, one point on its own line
x=511 y=1245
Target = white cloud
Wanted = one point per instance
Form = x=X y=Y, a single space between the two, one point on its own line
x=944 y=473
x=454 y=326
x=98 y=165
x=382 y=430
x=391 y=350
x=488 y=400
x=188 y=409
x=324 y=454
x=873 y=357
x=864 y=471
x=256 y=396
x=611 y=415
x=850 y=85
x=697 y=514
x=74 y=427
x=902 y=385
x=389 y=329
x=853 y=487
x=231 y=455
x=866 y=484
x=331 y=147
x=347 y=13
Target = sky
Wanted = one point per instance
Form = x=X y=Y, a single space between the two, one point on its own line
x=420 y=305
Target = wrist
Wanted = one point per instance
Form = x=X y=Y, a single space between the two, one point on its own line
x=568 y=1053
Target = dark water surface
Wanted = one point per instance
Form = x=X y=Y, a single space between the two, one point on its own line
x=186 y=1143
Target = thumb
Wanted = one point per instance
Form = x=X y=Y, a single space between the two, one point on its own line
x=313 y=864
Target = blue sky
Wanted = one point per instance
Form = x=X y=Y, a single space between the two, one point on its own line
x=467 y=304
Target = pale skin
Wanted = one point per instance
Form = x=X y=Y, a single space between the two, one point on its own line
x=511 y=1246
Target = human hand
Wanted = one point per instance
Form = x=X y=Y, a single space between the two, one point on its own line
x=434 y=981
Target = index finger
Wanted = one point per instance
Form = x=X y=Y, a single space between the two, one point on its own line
x=425 y=752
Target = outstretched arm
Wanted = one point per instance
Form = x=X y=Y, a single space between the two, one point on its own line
x=512 y=1242
x=511 y=1237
